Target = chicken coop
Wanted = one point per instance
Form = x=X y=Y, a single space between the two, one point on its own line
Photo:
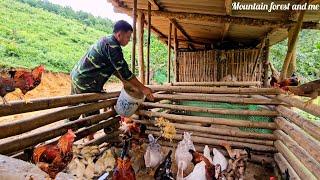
x=217 y=88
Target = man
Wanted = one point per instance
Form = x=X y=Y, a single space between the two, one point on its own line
x=105 y=58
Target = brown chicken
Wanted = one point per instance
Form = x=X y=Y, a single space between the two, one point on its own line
x=310 y=89
x=6 y=86
x=26 y=81
x=292 y=81
x=123 y=169
x=209 y=167
x=53 y=158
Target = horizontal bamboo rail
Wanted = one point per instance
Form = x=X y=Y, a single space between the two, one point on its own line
x=258 y=158
x=284 y=165
x=299 y=168
x=54 y=102
x=203 y=140
x=21 y=143
x=104 y=138
x=221 y=131
x=32 y=123
x=310 y=108
x=207 y=135
x=299 y=152
x=211 y=110
x=237 y=100
x=215 y=90
x=217 y=83
x=313 y=128
x=310 y=144
x=209 y=120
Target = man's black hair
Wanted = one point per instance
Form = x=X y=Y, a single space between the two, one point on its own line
x=122 y=26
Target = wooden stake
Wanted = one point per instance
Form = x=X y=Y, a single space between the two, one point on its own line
x=299 y=152
x=148 y=43
x=133 y=56
x=25 y=125
x=169 y=53
x=140 y=46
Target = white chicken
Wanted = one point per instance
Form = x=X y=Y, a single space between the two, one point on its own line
x=182 y=156
x=218 y=158
x=153 y=155
x=206 y=153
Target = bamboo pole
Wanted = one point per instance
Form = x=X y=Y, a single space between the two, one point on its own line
x=299 y=152
x=218 y=83
x=222 y=131
x=211 y=110
x=310 y=108
x=209 y=120
x=203 y=140
x=301 y=170
x=148 y=43
x=175 y=40
x=218 y=99
x=215 y=90
x=105 y=138
x=23 y=142
x=266 y=66
x=311 y=145
x=284 y=165
x=292 y=44
x=18 y=107
x=140 y=47
x=133 y=56
x=309 y=126
x=169 y=52
x=293 y=60
x=29 y=124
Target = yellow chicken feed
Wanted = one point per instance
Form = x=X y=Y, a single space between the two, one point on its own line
x=168 y=130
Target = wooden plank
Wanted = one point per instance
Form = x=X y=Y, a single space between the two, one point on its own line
x=17 y=107
x=28 y=124
x=209 y=120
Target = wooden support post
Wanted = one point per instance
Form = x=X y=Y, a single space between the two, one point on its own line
x=293 y=61
x=154 y=4
x=284 y=165
x=311 y=145
x=299 y=152
x=265 y=64
x=291 y=46
x=310 y=127
x=133 y=56
x=140 y=47
x=25 y=125
x=169 y=53
x=301 y=170
x=148 y=43
x=175 y=36
x=257 y=59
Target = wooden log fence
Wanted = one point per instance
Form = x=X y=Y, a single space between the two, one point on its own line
x=220 y=131
x=309 y=126
x=23 y=142
x=211 y=110
x=218 y=83
x=238 y=100
x=199 y=119
x=203 y=140
x=215 y=90
x=299 y=168
x=284 y=165
x=299 y=152
x=310 y=144
x=104 y=139
x=32 y=123
x=18 y=107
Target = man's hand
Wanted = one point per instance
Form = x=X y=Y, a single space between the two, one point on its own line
x=148 y=92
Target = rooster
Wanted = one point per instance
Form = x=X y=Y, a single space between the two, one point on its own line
x=123 y=169
x=53 y=158
x=291 y=81
x=27 y=81
x=6 y=85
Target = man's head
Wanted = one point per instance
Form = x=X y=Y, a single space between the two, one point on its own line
x=122 y=31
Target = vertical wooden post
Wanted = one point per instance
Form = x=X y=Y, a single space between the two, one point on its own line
x=292 y=65
x=291 y=46
x=140 y=47
x=133 y=56
x=148 y=43
x=265 y=64
x=169 y=52
x=175 y=53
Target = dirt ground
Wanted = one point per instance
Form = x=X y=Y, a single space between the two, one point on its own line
x=52 y=84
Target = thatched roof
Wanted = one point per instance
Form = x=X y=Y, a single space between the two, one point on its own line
x=214 y=23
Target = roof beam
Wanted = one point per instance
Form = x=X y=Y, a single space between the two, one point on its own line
x=228 y=5
x=223 y=19
x=185 y=34
x=154 y=4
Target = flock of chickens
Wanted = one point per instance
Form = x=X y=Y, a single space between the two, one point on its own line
x=21 y=79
